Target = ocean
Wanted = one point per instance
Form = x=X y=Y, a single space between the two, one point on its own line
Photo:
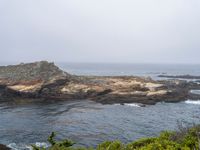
x=23 y=123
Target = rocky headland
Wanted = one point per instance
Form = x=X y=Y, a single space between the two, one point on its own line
x=45 y=81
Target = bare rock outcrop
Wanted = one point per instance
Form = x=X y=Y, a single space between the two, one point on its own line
x=29 y=79
x=44 y=80
x=4 y=147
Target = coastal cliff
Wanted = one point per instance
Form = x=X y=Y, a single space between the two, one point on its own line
x=44 y=80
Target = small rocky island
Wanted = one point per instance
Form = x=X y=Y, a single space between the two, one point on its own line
x=45 y=81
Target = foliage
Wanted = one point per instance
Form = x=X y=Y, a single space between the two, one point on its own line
x=184 y=139
x=108 y=145
x=60 y=145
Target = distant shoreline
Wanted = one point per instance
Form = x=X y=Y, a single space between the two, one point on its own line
x=180 y=76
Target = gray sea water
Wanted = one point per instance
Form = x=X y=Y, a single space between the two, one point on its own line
x=88 y=123
x=115 y=69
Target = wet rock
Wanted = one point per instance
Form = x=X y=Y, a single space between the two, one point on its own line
x=44 y=80
x=4 y=147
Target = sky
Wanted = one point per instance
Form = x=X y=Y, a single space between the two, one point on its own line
x=108 y=31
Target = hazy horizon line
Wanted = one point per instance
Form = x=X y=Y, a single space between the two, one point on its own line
x=114 y=63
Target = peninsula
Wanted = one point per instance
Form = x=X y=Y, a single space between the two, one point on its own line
x=44 y=80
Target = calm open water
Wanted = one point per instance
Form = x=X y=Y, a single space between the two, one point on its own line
x=88 y=123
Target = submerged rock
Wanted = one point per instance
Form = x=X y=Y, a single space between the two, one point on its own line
x=44 y=80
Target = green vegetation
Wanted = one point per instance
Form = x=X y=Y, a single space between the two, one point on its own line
x=184 y=139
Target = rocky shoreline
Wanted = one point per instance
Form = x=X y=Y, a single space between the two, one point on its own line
x=4 y=147
x=44 y=80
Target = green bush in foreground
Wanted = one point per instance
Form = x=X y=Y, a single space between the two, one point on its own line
x=185 y=139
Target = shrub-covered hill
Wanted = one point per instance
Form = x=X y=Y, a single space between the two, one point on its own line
x=184 y=139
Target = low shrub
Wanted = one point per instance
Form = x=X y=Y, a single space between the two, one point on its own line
x=184 y=139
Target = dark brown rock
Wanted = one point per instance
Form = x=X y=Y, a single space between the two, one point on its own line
x=3 y=147
x=43 y=80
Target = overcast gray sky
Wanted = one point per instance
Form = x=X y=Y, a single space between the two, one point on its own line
x=128 y=31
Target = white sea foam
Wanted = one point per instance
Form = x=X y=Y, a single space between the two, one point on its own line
x=132 y=104
x=129 y=104
x=15 y=146
x=197 y=102
x=41 y=144
x=195 y=92
x=117 y=104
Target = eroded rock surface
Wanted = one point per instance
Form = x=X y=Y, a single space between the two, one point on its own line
x=43 y=80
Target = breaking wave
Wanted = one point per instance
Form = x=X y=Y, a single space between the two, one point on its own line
x=15 y=146
x=195 y=92
x=197 y=102
x=130 y=104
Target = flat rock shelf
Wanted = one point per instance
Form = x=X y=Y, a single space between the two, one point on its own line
x=44 y=80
